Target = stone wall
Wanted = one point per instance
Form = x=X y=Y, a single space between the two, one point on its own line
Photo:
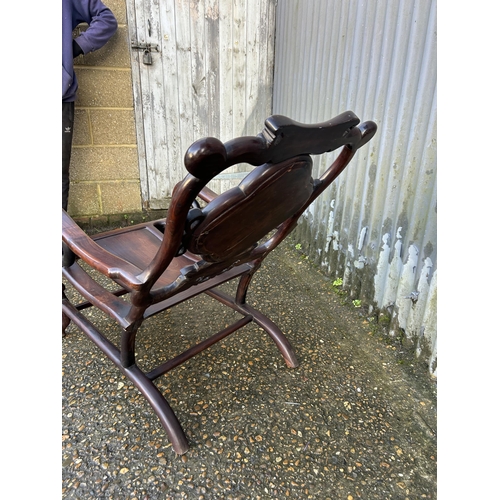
x=104 y=170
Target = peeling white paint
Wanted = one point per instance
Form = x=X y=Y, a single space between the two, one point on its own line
x=329 y=231
x=417 y=311
x=429 y=323
x=393 y=274
x=361 y=260
x=360 y=263
x=405 y=287
x=311 y=210
x=382 y=267
x=335 y=240
x=361 y=239
x=347 y=275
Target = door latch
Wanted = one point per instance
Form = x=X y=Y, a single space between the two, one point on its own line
x=147 y=57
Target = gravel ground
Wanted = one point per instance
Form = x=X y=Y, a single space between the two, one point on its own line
x=356 y=419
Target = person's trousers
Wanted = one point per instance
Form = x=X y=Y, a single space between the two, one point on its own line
x=68 y=118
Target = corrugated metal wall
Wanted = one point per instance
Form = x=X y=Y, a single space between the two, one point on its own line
x=376 y=226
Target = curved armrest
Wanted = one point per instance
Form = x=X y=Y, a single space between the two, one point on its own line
x=95 y=256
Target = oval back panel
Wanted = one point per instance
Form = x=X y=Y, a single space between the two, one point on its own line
x=236 y=220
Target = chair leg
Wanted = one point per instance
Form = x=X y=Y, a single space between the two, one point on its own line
x=263 y=321
x=65 y=319
x=276 y=334
x=127 y=351
x=161 y=407
x=243 y=284
x=65 y=322
x=149 y=390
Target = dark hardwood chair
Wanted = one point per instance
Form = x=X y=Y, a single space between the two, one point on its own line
x=157 y=265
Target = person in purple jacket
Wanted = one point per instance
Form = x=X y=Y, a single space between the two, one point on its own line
x=102 y=26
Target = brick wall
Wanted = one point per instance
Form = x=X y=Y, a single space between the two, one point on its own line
x=104 y=170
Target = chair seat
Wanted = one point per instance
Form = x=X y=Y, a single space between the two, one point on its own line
x=139 y=244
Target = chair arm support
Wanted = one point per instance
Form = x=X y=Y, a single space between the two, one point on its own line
x=97 y=257
x=207 y=195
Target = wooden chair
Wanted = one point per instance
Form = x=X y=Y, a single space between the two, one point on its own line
x=160 y=264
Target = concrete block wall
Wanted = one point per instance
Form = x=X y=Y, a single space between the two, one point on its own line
x=104 y=171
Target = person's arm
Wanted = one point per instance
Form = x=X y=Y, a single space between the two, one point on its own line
x=102 y=26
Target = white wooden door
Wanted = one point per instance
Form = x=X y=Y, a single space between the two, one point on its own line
x=212 y=76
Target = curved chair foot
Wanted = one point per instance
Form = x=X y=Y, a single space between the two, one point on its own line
x=161 y=408
x=159 y=404
x=263 y=321
x=276 y=334
x=65 y=318
x=65 y=322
